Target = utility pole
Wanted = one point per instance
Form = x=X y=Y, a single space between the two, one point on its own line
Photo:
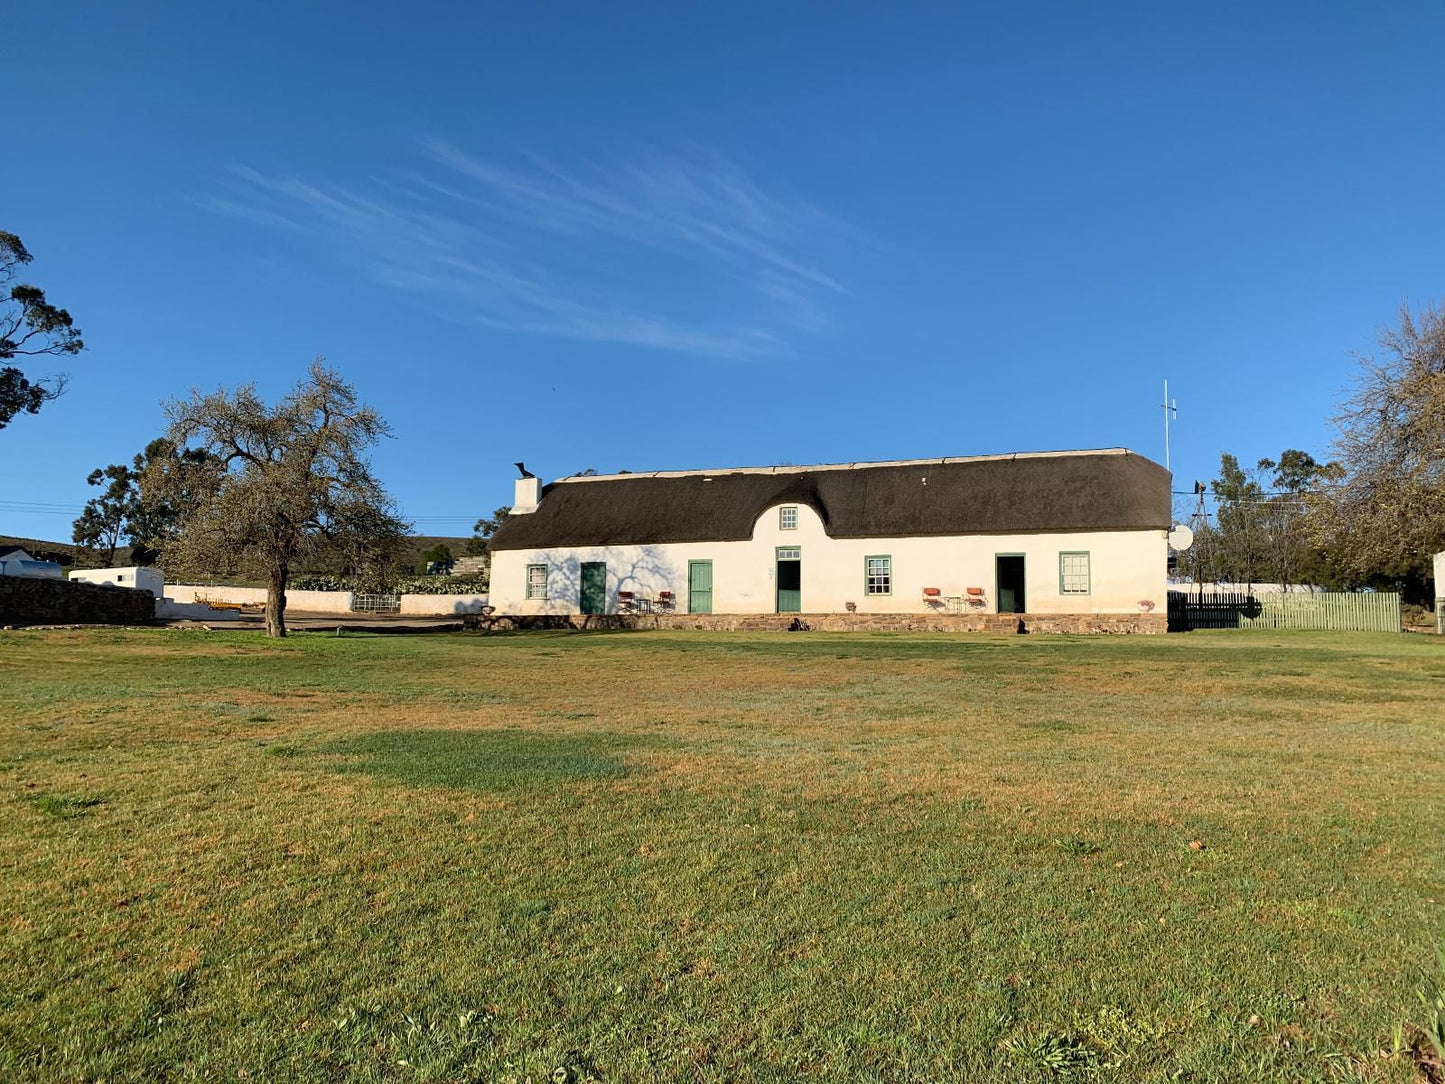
x=1170 y=407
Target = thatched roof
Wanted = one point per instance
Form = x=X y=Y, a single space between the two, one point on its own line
x=1108 y=490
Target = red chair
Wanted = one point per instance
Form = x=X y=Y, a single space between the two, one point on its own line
x=666 y=600
x=625 y=602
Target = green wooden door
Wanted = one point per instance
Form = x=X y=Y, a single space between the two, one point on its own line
x=699 y=587
x=594 y=587
x=790 y=580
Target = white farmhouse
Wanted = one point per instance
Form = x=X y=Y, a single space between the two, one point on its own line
x=1080 y=532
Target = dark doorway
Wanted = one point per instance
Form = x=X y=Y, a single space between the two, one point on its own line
x=1010 y=576
x=594 y=587
x=790 y=581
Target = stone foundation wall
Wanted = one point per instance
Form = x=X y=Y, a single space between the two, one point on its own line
x=1147 y=624
x=62 y=602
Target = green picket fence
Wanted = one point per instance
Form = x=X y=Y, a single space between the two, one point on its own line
x=1327 y=611
x=1330 y=611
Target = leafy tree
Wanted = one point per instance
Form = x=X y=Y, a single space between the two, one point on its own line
x=30 y=326
x=130 y=509
x=1261 y=532
x=1239 y=545
x=483 y=530
x=1292 y=555
x=1386 y=515
x=283 y=482
x=440 y=554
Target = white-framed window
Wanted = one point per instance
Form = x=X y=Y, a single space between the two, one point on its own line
x=1074 y=573
x=878 y=575
x=788 y=517
x=536 y=581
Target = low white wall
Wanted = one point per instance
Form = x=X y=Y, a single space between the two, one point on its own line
x=322 y=602
x=170 y=610
x=442 y=605
x=184 y=592
x=1222 y=588
x=328 y=602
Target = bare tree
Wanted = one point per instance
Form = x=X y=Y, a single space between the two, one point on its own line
x=1388 y=513
x=283 y=482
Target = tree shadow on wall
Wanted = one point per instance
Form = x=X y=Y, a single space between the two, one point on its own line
x=645 y=572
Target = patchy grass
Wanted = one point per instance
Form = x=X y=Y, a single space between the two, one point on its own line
x=718 y=857
x=65 y=806
x=481 y=760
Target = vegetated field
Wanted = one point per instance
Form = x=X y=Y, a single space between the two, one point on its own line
x=689 y=856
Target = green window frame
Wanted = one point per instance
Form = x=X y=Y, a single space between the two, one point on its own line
x=788 y=517
x=878 y=574
x=1075 y=572
x=537 y=585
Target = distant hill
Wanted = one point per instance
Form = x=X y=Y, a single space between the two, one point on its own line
x=62 y=553
x=73 y=556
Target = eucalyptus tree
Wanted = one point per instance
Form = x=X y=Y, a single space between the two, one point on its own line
x=30 y=326
x=129 y=509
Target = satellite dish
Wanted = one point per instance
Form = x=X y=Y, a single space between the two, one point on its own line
x=1180 y=538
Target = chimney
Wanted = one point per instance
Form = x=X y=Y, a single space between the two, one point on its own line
x=529 y=491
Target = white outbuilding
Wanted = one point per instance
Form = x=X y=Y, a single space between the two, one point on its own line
x=1079 y=532
x=137 y=576
x=1440 y=593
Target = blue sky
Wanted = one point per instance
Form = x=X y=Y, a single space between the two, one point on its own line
x=658 y=236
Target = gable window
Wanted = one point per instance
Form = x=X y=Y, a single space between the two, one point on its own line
x=878 y=575
x=1074 y=573
x=788 y=517
x=536 y=581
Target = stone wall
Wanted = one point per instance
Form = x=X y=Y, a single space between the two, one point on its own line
x=62 y=602
x=1147 y=624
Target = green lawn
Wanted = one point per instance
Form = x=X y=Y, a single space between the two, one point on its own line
x=688 y=856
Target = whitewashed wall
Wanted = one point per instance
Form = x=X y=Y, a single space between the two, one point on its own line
x=442 y=605
x=1126 y=567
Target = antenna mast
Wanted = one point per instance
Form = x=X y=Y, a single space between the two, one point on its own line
x=1171 y=406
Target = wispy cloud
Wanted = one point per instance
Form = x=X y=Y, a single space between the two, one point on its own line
x=676 y=252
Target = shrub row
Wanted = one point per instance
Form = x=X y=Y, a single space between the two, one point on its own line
x=409 y=585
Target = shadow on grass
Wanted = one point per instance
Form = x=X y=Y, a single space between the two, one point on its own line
x=482 y=760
